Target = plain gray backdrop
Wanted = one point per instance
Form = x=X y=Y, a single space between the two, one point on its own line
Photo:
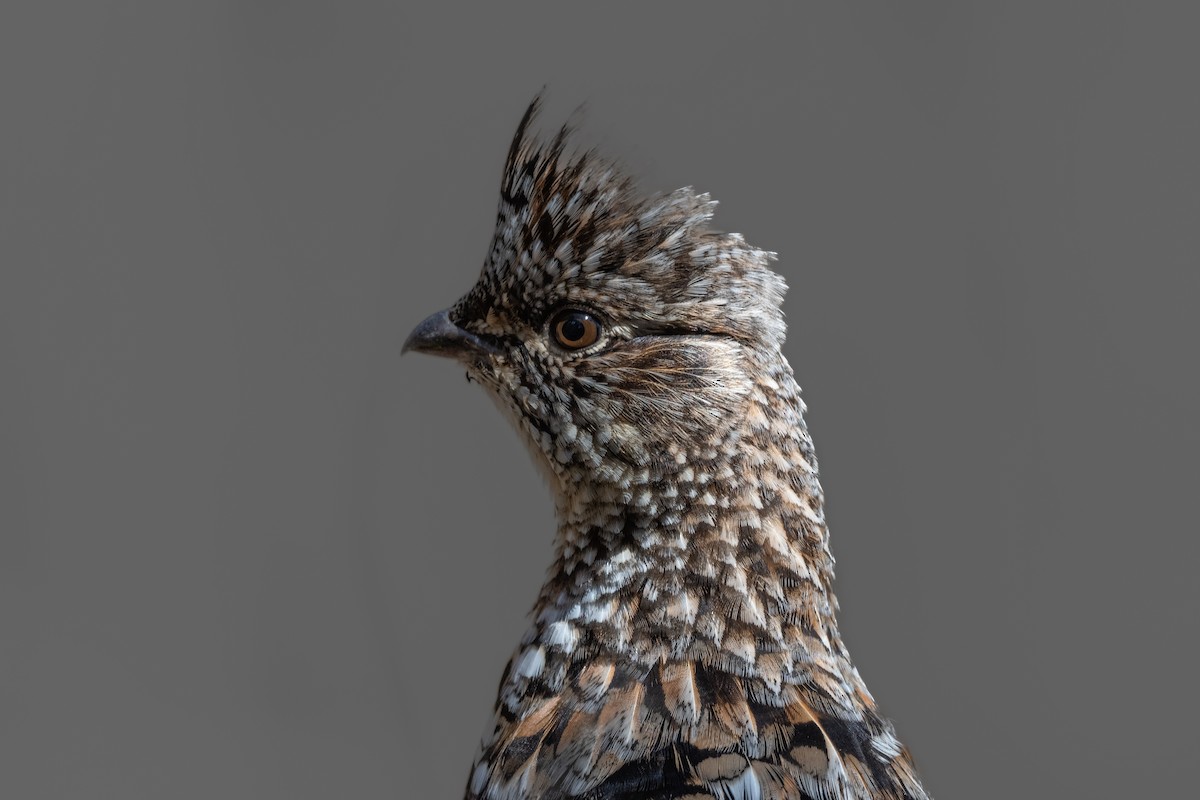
x=246 y=551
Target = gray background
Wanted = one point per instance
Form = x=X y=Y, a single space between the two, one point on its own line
x=246 y=551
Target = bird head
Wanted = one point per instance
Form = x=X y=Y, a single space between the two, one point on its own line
x=619 y=332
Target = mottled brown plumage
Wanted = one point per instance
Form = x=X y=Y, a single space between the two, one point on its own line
x=685 y=643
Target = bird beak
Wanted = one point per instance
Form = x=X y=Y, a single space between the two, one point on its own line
x=437 y=335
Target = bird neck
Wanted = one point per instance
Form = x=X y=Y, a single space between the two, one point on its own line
x=719 y=554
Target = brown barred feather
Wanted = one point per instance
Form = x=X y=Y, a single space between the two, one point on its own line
x=686 y=643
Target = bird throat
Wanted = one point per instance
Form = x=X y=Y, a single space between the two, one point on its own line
x=718 y=557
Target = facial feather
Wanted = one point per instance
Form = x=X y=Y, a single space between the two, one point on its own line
x=686 y=642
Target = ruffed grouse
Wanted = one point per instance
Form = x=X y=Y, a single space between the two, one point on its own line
x=685 y=643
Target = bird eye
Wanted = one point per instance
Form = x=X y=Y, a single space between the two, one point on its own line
x=575 y=329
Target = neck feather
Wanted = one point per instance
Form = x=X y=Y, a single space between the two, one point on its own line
x=719 y=554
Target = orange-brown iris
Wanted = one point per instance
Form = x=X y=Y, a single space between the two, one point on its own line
x=575 y=329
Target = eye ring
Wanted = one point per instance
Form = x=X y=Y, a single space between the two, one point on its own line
x=575 y=329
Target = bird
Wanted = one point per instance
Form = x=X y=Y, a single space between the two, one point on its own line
x=685 y=643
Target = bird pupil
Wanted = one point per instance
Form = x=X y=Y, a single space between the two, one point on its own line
x=573 y=329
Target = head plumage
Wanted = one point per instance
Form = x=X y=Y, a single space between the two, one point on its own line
x=573 y=222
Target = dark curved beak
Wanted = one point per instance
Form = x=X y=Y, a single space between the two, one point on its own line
x=437 y=335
